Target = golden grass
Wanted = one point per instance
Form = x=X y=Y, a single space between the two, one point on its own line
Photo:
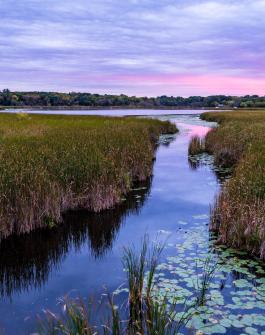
x=239 y=212
x=49 y=164
x=196 y=145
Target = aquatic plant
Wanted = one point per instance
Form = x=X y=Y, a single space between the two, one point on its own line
x=76 y=319
x=238 y=215
x=203 y=282
x=149 y=312
x=140 y=275
x=51 y=163
x=196 y=145
x=234 y=299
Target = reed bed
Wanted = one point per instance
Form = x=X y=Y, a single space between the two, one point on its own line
x=51 y=163
x=238 y=215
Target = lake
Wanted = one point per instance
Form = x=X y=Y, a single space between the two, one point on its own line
x=83 y=255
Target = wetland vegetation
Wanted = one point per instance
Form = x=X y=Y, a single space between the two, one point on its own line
x=49 y=164
x=193 y=285
x=238 y=216
x=186 y=293
x=148 y=308
x=192 y=291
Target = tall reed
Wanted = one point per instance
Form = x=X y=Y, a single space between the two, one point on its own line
x=238 y=215
x=140 y=295
x=49 y=164
x=196 y=145
x=203 y=282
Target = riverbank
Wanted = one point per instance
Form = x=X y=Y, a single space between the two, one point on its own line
x=50 y=164
x=238 y=216
x=32 y=108
x=98 y=108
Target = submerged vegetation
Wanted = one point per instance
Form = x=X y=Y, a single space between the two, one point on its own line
x=49 y=164
x=238 y=216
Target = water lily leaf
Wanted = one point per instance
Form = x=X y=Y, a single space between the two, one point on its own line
x=251 y=331
x=238 y=324
x=241 y=283
x=200 y=216
x=226 y=323
x=214 y=329
x=182 y=223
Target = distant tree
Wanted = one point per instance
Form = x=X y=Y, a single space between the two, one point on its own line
x=8 y=98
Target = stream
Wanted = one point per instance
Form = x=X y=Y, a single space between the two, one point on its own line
x=83 y=255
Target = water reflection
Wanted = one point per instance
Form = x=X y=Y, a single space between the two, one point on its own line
x=27 y=261
x=196 y=161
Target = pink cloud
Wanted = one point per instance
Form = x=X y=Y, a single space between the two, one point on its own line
x=198 y=84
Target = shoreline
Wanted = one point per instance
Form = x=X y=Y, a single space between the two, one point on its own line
x=97 y=108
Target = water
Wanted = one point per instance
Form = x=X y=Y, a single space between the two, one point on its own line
x=83 y=255
x=109 y=112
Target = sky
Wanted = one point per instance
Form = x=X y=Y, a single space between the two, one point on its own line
x=134 y=47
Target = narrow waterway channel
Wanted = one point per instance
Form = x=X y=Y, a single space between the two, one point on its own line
x=83 y=255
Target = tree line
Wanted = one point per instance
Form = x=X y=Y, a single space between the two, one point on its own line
x=75 y=99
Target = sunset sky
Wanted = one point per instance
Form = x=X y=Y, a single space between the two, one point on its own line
x=135 y=47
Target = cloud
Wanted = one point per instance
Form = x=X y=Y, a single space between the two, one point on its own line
x=85 y=45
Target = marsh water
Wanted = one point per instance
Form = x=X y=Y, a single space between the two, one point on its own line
x=83 y=255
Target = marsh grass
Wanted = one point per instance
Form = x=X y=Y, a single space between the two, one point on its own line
x=147 y=311
x=76 y=319
x=238 y=215
x=141 y=303
x=51 y=163
x=196 y=145
x=203 y=281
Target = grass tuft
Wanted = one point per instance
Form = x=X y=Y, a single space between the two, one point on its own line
x=196 y=146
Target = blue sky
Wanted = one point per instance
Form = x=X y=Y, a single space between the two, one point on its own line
x=133 y=47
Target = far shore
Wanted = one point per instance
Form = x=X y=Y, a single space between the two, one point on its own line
x=111 y=108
